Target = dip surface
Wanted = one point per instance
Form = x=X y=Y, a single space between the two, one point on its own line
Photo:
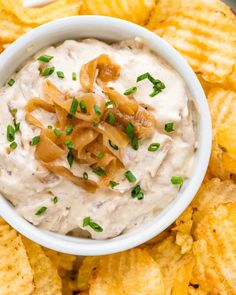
x=52 y=202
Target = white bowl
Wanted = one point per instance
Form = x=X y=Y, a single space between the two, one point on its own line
x=111 y=29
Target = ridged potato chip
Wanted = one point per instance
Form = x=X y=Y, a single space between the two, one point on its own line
x=61 y=260
x=16 y=275
x=136 y=11
x=182 y=229
x=175 y=267
x=211 y=194
x=38 y=16
x=46 y=278
x=222 y=104
x=215 y=251
x=131 y=272
x=88 y=266
x=204 y=33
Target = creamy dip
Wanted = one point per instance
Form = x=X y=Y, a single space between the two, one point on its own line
x=30 y=187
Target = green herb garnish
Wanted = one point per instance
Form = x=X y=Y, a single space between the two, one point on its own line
x=55 y=200
x=158 y=86
x=10 y=133
x=82 y=105
x=69 y=144
x=110 y=103
x=88 y=222
x=177 y=180
x=134 y=143
x=70 y=158
x=74 y=78
x=35 y=140
x=111 y=118
x=85 y=176
x=14 y=112
x=49 y=126
x=16 y=125
x=45 y=58
x=97 y=110
x=130 y=130
x=11 y=82
x=41 y=211
x=69 y=129
x=114 y=146
x=137 y=193
x=100 y=155
x=169 y=127
x=57 y=132
x=130 y=90
x=113 y=183
x=130 y=176
x=99 y=171
x=153 y=147
x=48 y=71
x=95 y=123
x=60 y=75
x=74 y=106
x=13 y=145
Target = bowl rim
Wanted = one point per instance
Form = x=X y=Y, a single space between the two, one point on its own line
x=78 y=246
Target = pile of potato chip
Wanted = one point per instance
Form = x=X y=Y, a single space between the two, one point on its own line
x=197 y=254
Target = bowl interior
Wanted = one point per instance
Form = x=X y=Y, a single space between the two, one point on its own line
x=109 y=29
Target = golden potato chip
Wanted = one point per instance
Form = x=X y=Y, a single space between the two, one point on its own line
x=212 y=193
x=88 y=266
x=129 y=272
x=215 y=251
x=137 y=11
x=226 y=137
x=164 y=9
x=15 y=271
x=61 y=260
x=40 y=15
x=222 y=105
x=229 y=162
x=182 y=228
x=204 y=33
x=46 y=278
x=175 y=267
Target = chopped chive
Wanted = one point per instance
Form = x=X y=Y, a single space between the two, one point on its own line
x=169 y=127
x=70 y=158
x=85 y=176
x=146 y=76
x=99 y=171
x=100 y=155
x=137 y=193
x=74 y=106
x=111 y=118
x=134 y=143
x=69 y=144
x=130 y=130
x=153 y=147
x=10 y=133
x=130 y=90
x=13 y=112
x=11 y=82
x=177 y=180
x=49 y=126
x=35 y=140
x=88 y=222
x=60 y=75
x=16 y=125
x=97 y=110
x=74 y=78
x=41 y=211
x=48 y=71
x=114 y=146
x=82 y=105
x=13 y=145
x=69 y=129
x=95 y=123
x=45 y=58
x=113 y=183
x=158 y=86
x=57 y=132
x=110 y=103
x=130 y=176
x=55 y=200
